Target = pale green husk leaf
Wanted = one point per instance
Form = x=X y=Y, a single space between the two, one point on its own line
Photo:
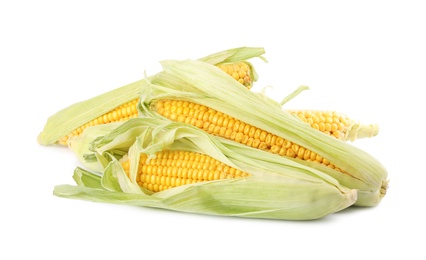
x=80 y=145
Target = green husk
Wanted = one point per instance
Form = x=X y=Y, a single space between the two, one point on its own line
x=81 y=145
x=66 y=120
x=276 y=188
x=199 y=82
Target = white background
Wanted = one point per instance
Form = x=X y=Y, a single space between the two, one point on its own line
x=363 y=58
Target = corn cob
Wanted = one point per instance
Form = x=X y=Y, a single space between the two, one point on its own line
x=243 y=117
x=220 y=124
x=335 y=124
x=120 y=104
x=260 y=186
x=240 y=71
x=170 y=169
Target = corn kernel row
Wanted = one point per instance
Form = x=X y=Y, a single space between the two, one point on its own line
x=175 y=168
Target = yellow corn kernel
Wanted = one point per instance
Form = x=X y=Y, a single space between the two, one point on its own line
x=181 y=167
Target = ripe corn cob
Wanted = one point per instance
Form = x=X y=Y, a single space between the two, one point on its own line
x=220 y=124
x=336 y=124
x=171 y=169
x=270 y=188
x=330 y=123
x=240 y=71
x=259 y=123
x=74 y=119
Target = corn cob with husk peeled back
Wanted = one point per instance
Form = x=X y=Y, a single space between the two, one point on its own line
x=336 y=124
x=240 y=71
x=220 y=106
x=149 y=162
x=119 y=105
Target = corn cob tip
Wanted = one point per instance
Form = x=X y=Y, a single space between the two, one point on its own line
x=41 y=138
x=359 y=131
x=353 y=195
x=372 y=198
x=384 y=188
